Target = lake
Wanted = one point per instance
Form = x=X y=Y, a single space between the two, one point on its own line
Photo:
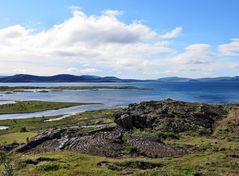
x=207 y=92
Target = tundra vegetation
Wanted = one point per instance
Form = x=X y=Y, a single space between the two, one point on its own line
x=165 y=138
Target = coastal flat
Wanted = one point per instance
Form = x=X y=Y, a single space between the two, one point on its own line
x=35 y=106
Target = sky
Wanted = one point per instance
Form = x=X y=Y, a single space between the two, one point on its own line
x=144 y=39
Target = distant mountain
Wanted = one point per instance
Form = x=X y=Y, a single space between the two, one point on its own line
x=174 y=79
x=61 y=78
x=235 y=78
x=180 y=79
x=24 y=78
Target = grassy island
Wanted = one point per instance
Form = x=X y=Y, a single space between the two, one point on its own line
x=34 y=106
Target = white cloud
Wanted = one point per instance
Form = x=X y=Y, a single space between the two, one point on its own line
x=74 y=70
x=113 y=13
x=230 y=49
x=102 y=42
x=172 y=34
x=195 y=54
x=104 y=45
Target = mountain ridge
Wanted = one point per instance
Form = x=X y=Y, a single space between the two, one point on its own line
x=27 y=78
x=22 y=78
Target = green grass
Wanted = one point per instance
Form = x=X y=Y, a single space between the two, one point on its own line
x=74 y=163
x=33 y=106
x=205 y=142
x=39 y=123
x=65 y=164
x=16 y=137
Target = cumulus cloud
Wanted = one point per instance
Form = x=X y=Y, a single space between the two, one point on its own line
x=172 y=34
x=97 y=41
x=230 y=49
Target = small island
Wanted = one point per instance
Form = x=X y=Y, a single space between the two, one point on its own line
x=35 y=106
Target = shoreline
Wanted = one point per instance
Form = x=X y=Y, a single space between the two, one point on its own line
x=45 y=89
x=45 y=106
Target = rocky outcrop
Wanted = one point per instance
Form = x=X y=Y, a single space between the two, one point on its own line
x=152 y=147
x=169 y=115
x=105 y=142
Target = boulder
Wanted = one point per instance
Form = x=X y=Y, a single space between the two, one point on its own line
x=170 y=115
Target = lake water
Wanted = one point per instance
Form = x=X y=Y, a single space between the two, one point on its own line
x=208 y=92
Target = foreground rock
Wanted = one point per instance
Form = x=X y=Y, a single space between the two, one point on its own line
x=106 y=142
x=169 y=115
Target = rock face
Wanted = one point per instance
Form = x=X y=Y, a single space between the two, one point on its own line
x=169 y=115
x=152 y=147
x=106 y=142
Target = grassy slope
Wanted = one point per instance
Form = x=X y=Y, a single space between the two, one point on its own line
x=218 y=155
x=16 y=137
x=67 y=164
x=33 y=106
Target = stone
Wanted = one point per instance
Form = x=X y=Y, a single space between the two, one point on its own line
x=170 y=115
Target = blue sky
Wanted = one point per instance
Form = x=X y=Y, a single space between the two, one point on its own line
x=175 y=37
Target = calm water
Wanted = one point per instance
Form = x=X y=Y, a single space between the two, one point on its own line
x=208 y=92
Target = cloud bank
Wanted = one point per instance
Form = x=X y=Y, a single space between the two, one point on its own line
x=105 y=45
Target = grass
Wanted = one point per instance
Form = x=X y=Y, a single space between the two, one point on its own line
x=39 y=123
x=74 y=163
x=34 y=106
x=65 y=164
x=228 y=128
x=16 y=137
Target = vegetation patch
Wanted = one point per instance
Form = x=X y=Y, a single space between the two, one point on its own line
x=34 y=106
x=19 y=137
x=130 y=165
x=48 y=167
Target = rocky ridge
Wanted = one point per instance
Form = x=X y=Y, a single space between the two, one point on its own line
x=167 y=115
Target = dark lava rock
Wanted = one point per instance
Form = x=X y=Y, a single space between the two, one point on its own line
x=152 y=147
x=107 y=142
x=169 y=115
